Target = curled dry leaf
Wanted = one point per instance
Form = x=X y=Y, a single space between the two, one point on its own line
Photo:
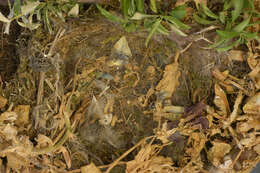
x=66 y=156
x=16 y=162
x=250 y=140
x=23 y=115
x=3 y=102
x=8 y=116
x=236 y=55
x=170 y=80
x=198 y=141
x=147 y=161
x=222 y=76
x=10 y=132
x=253 y=105
x=221 y=101
x=257 y=149
x=90 y=168
x=217 y=152
x=164 y=133
x=255 y=76
x=43 y=141
x=248 y=123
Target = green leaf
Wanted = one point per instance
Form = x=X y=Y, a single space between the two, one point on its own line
x=227 y=34
x=17 y=7
x=153 y=6
x=47 y=21
x=125 y=6
x=153 y=31
x=162 y=29
x=222 y=17
x=249 y=4
x=178 y=12
x=250 y=35
x=202 y=21
x=129 y=27
x=208 y=12
x=132 y=8
x=109 y=16
x=176 y=22
x=222 y=49
x=227 y=5
x=238 y=5
x=219 y=42
x=140 y=6
x=176 y=30
x=241 y=26
x=254 y=23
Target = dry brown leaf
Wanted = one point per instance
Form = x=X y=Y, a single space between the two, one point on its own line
x=90 y=168
x=23 y=115
x=16 y=162
x=181 y=2
x=10 y=132
x=255 y=75
x=164 y=133
x=219 y=75
x=257 y=149
x=8 y=116
x=221 y=101
x=217 y=152
x=3 y=102
x=201 y=2
x=250 y=140
x=147 y=161
x=66 y=156
x=198 y=141
x=234 y=113
x=236 y=55
x=250 y=123
x=253 y=105
x=43 y=141
x=170 y=80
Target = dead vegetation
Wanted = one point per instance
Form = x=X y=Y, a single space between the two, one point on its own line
x=94 y=99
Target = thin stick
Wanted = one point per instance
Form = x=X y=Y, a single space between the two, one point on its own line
x=112 y=165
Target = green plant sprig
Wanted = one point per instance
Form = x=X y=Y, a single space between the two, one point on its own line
x=135 y=17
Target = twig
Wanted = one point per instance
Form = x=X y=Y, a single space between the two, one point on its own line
x=116 y=162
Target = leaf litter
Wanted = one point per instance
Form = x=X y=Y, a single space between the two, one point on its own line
x=109 y=104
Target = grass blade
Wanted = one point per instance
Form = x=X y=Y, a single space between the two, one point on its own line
x=153 y=6
x=125 y=4
x=208 y=12
x=176 y=22
x=140 y=5
x=241 y=26
x=202 y=21
x=222 y=49
x=176 y=30
x=238 y=5
x=17 y=7
x=227 y=34
x=163 y=30
x=108 y=15
x=153 y=31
